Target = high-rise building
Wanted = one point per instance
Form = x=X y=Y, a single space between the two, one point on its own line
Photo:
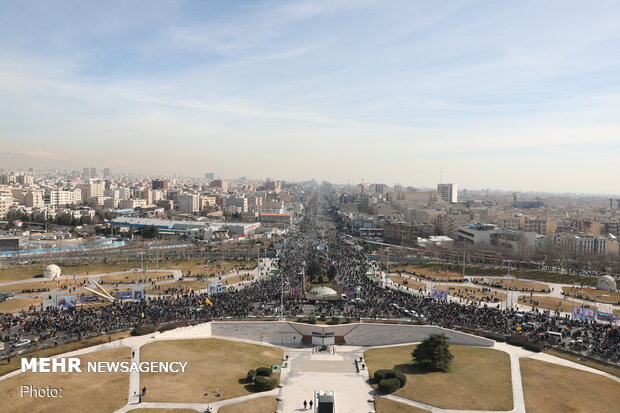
x=159 y=184
x=189 y=203
x=210 y=176
x=107 y=173
x=92 y=189
x=85 y=173
x=93 y=172
x=448 y=192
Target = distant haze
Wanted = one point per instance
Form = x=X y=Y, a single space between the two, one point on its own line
x=509 y=95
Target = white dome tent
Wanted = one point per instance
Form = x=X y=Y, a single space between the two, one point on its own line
x=51 y=272
x=323 y=293
x=606 y=282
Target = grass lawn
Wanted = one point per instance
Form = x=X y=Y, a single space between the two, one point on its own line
x=62 y=348
x=383 y=405
x=160 y=289
x=262 y=405
x=408 y=282
x=82 y=392
x=49 y=284
x=432 y=271
x=147 y=410
x=553 y=388
x=21 y=272
x=536 y=275
x=247 y=278
x=615 y=371
x=479 y=378
x=518 y=284
x=212 y=364
x=552 y=303
x=13 y=305
x=194 y=265
x=473 y=293
x=610 y=297
x=127 y=277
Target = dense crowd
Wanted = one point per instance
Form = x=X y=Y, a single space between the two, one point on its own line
x=317 y=236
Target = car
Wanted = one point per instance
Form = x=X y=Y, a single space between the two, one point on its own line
x=528 y=326
x=22 y=343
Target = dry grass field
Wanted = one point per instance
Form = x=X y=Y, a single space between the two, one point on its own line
x=552 y=303
x=614 y=371
x=147 y=410
x=383 y=405
x=160 y=289
x=13 y=305
x=82 y=392
x=212 y=364
x=516 y=284
x=610 y=297
x=51 y=285
x=490 y=271
x=261 y=405
x=479 y=378
x=408 y=282
x=194 y=265
x=127 y=277
x=436 y=271
x=61 y=349
x=551 y=388
x=473 y=293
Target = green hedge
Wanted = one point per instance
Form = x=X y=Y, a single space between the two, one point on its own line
x=265 y=383
x=263 y=371
x=523 y=341
x=384 y=374
x=251 y=376
x=142 y=330
x=388 y=386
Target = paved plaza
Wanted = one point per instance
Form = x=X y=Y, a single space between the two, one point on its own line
x=305 y=370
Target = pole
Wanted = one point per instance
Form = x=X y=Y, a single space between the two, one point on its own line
x=282 y=297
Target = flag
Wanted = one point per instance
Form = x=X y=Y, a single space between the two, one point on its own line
x=207 y=301
x=1 y=346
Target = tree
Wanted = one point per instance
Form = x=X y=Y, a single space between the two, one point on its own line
x=149 y=232
x=433 y=353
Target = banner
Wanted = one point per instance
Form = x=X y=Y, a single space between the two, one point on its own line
x=215 y=288
x=578 y=313
x=121 y=295
x=437 y=294
x=610 y=318
x=88 y=298
x=65 y=301
x=138 y=294
x=589 y=314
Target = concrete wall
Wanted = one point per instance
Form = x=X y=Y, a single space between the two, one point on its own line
x=308 y=329
x=289 y=333
x=386 y=334
x=273 y=332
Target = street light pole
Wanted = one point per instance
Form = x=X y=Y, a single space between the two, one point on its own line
x=282 y=297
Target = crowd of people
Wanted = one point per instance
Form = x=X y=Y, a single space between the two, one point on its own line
x=317 y=236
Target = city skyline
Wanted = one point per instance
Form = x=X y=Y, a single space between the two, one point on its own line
x=506 y=96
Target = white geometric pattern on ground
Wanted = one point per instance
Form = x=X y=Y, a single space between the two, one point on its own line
x=363 y=334
x=352 y=390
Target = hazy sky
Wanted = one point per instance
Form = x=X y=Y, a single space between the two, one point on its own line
x=509 y=95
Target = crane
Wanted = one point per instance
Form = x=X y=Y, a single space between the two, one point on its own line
x=362 y=185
